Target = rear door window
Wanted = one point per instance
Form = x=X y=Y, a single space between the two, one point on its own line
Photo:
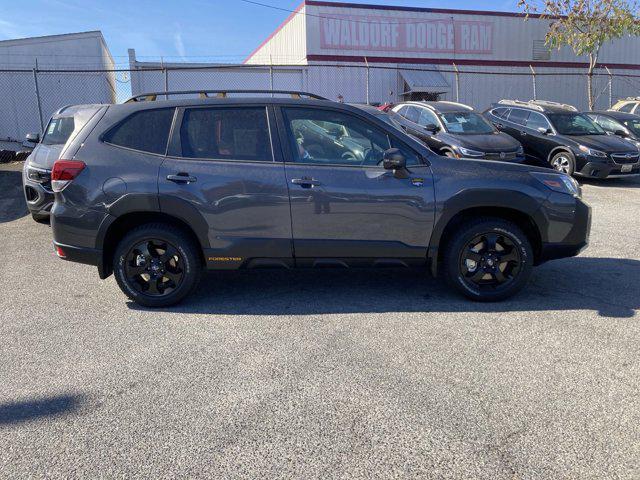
x=519 y=116
x=536 y=121
x=146 y=130
x=412 y=114
x=226 y=134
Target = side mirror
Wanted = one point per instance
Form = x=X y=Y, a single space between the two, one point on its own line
x=33 y=137
x=544 y=131
x=431 y=127
x=621 y=133
x=392 y=159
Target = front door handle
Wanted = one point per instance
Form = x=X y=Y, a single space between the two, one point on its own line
x=523 y=133
x=305 y=182
x=182 y=177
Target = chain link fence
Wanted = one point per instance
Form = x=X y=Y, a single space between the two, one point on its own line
x=29 y=97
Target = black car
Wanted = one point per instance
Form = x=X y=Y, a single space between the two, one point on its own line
x=558 y=135
x=626 y=125
x=456 y=130
x=156 y=192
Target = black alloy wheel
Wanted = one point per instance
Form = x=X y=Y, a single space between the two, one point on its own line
x=487 y=259
x=157 y=264
x=154 y=267
x=490 y=260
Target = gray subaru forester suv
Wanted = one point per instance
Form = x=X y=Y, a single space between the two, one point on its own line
x=156 y=191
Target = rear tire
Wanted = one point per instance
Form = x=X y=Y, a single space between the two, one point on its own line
x=488 y=259
x=157 y=265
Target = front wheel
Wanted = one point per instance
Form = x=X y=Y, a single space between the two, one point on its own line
x=564 y=162
x=488 y=259
x=157 y=265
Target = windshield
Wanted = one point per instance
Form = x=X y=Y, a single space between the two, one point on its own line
x=58 y=131
x=466 y=123
x=634 y=126
x=575 y=124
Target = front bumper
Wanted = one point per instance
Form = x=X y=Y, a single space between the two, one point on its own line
x=567 y=233
x=39 y=196
x=600 y=168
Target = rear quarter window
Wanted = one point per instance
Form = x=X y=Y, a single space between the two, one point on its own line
x=146 y=130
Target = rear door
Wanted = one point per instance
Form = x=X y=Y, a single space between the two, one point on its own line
x=536 y=144
x=222 y=166
x=345 y=206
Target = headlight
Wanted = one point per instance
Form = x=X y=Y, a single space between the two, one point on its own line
x=466 y=152
x=591 y=152
x=559 y=183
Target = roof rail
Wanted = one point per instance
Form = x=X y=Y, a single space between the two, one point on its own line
x=549 y=103
x=153 y=96
x=520 y=103
x=632 y=98
x=456 y=104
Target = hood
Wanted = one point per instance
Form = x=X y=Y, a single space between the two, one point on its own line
x=605 y=143
x=492 y=142
x=43 y=156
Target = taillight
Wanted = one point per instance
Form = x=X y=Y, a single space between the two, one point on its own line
x=63 y=173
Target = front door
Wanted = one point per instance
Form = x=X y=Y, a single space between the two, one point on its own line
x=344 y=205
x=222 y=168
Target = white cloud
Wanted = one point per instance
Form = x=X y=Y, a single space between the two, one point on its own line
x=179 y=44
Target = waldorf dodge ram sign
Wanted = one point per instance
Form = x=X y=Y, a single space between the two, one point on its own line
x=344 y=32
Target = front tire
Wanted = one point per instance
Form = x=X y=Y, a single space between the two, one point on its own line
x=488 y=259
x=563 y=162
x=157 y=265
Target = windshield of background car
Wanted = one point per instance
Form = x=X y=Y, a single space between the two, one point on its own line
x=575 y=124
x=58 y=131
x=466 y=123
x=633 y=125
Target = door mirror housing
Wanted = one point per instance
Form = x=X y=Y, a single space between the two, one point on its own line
x=621 y=133
x=544 y=131
x=431 y=127
x=33 y=137
x=393 y=159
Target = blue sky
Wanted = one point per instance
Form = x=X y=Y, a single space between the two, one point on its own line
x=190 y=30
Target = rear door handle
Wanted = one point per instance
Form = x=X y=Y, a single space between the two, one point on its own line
x=499 y=125
x=305 y=182
x=182 y=177
x=523 y=133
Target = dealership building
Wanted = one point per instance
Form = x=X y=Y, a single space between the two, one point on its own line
x=415 y=53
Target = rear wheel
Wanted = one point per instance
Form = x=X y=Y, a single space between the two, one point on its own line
x=157 y=265
x=564 y=162
x=488 y=259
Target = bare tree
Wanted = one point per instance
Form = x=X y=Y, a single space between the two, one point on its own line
x=585 y=26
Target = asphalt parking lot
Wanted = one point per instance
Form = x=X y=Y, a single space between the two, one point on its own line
x=270 y=374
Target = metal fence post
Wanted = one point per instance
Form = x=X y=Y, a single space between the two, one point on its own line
x=533 y=77
x=455 y=67
x=610 y=86
x=367 y=81
x=271 y=74
x=37 y=90
x=166 y=82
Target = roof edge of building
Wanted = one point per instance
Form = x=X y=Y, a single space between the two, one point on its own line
x=291 y=16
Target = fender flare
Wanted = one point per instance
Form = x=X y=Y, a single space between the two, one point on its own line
x=473 y=199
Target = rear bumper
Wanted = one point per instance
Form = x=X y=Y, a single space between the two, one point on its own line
x=88 y=256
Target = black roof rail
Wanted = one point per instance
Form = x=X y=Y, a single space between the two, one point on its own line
x=152 y=96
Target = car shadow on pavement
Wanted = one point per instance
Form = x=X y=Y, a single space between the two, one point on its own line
x=12 y=203
x=33 y=409
x=609 y=286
